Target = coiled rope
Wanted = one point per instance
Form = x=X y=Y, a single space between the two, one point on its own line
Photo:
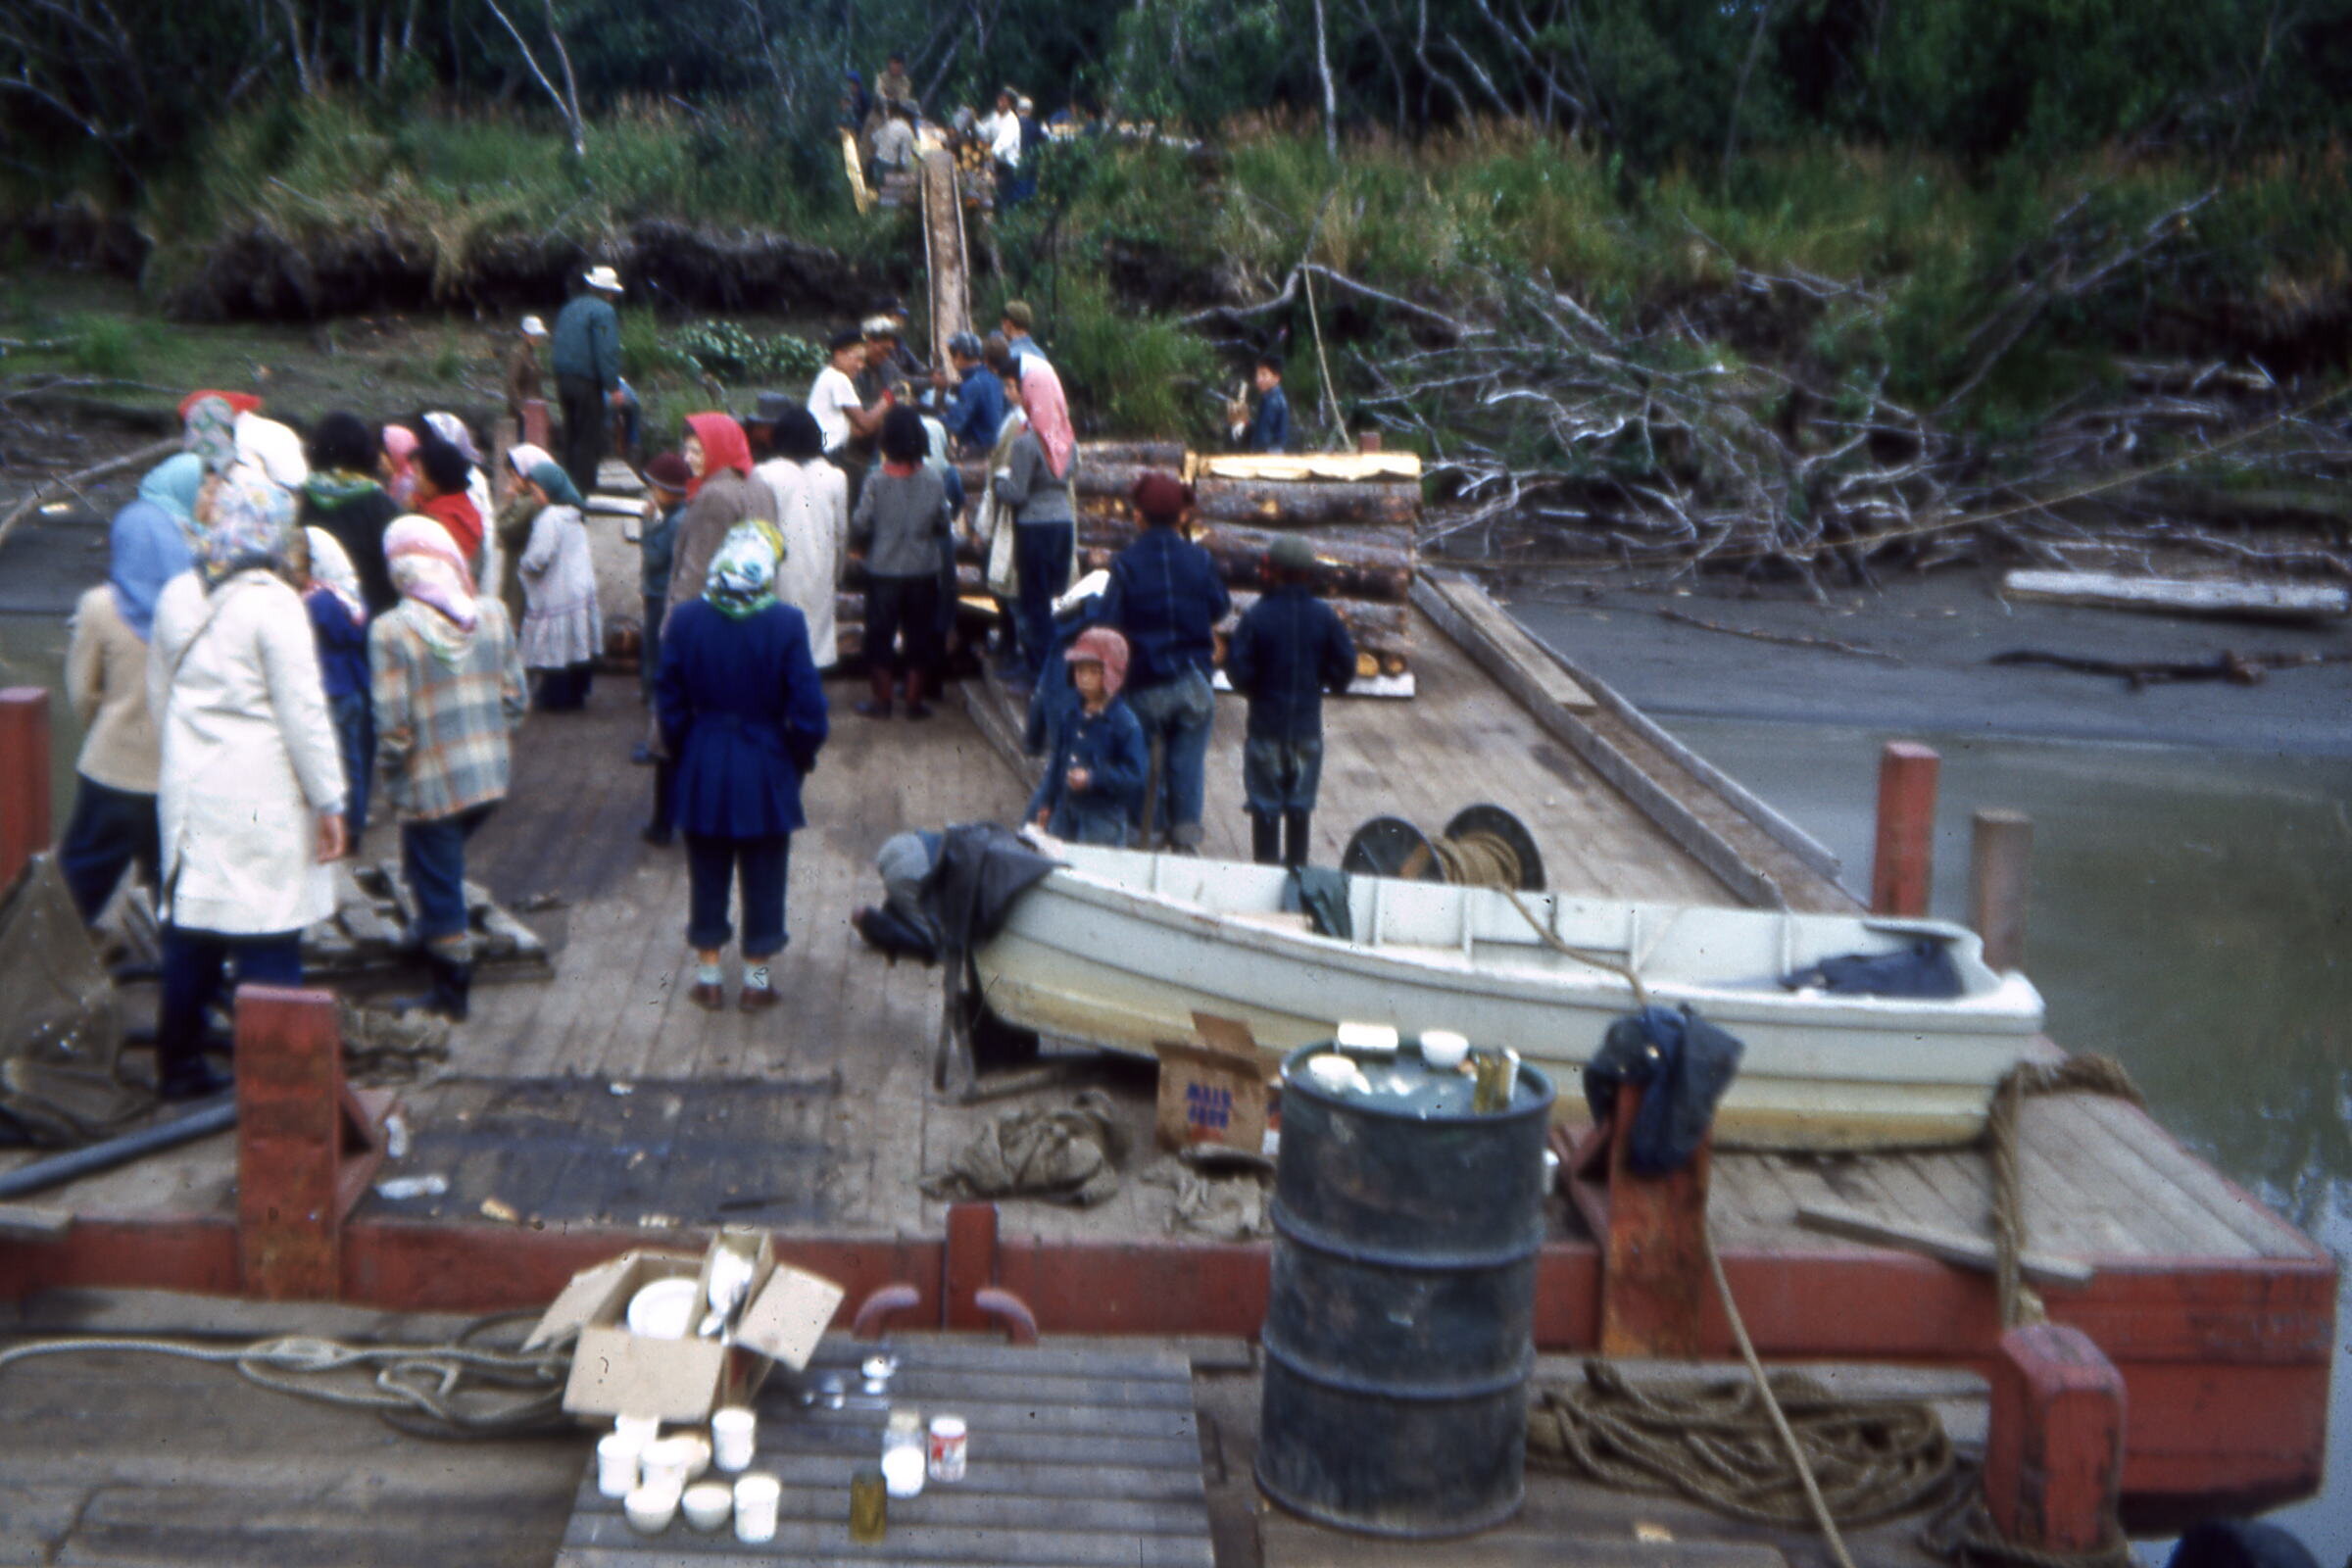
x=453 y=1389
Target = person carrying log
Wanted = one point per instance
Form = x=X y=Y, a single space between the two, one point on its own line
x=1287 y=649
x=1167 y=596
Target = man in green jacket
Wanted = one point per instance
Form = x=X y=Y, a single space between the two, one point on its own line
x=587 y=364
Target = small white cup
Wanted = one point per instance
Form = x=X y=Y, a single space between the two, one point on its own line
x=669 y=1462
x=708 y=1504
x=643 y=1428
x=755 y=1499
x=734 y=1434
x=698 y=1454
x=650 y=1509
x=903 y=1472
x=617 y=1457
x=1443 y=1048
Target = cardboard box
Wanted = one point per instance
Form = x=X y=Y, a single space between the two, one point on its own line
x=616 y=1372
x=1213 y=1088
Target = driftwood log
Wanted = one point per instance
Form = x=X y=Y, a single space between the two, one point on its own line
x=1350 y=563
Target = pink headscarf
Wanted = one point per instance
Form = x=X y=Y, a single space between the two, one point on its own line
x=426 y=566
x=1048 y=414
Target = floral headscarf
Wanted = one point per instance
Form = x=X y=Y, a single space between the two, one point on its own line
x=149 y=551
x=426 y=566
x=210 y=432
x=743 y=575
x=249 y=523
x=1048 y=414
x=330 y=570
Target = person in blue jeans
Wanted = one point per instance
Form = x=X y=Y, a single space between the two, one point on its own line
x=742 y=710
x=1034 y=486
x=1099 y=761
x=1287 y=649
x=1167 y=596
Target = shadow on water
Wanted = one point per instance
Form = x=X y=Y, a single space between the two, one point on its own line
x=2191 y=917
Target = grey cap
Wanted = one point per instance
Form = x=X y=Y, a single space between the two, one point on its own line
x=966 y=345
x=773 y=406
x=1291 y=554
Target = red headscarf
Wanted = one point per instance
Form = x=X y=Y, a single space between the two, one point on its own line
x=238 y=402
x=1048 y=413
x=1107 y=648
x=724 y=446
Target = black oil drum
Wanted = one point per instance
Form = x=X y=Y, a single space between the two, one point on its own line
x=1399 y=1328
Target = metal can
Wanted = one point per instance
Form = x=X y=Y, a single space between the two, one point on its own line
x=947 y=1446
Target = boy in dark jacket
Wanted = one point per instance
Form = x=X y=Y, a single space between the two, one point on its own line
x=1098 y=759
x=1287 y=649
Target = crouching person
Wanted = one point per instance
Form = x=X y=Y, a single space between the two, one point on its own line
x=742 y=710
x=1098 y=759
x=448 y=686
x=899 y=925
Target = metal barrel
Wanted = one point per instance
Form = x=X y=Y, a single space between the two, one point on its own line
x=1400 y=1331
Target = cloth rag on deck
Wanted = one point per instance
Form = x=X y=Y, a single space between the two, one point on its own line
x=1683 y=1065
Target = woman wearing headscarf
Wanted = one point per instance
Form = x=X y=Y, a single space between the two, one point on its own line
x=1036 y=485
x=250 y=788
x=490 y=565
x=740 y=707
x=561 y=627
x=721 y=492
x=114 y=824
x=900 y=530
x=330 y=594
x=343 y=497
x=448 y=688
x=444 y=493
x=511 y=523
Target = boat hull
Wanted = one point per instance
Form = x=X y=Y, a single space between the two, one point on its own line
x=1121 y=951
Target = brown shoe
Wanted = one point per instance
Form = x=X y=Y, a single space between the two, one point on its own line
x=708 y=998
x=758 y=999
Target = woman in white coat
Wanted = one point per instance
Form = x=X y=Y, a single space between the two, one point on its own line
x=251 y=789
x=562 y=624
x=817 y=533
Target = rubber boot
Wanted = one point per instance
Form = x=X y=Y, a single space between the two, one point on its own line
x=1265 y=838
x=917 y=707
x=877 y=680
x=450 y=993
x=1293 y=832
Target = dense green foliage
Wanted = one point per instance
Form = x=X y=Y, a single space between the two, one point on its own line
x=124 y=89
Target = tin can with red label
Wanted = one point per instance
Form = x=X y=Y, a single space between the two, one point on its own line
x=948 y=1442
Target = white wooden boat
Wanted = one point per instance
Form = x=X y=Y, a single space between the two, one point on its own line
x=1118 y=948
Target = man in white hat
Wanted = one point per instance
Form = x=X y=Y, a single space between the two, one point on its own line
x=522 y=369
x=587 y=365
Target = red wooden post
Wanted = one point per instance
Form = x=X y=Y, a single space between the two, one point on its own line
x=307 y=1144
x=1654 y=1283
x=24 y=822
x=1367 y=441
x=972 y=1265
x=1904 y=863
x=2054 y=1454
x=534 y=422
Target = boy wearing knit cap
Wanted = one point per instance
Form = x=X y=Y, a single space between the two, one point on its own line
x=1097 y=760
x=1287 y=649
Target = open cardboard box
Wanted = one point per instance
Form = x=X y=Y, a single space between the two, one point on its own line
x=616 y=1372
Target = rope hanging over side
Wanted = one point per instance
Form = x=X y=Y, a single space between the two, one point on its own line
x=2003 y=1123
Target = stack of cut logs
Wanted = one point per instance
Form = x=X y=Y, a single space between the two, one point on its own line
x=1361 y=531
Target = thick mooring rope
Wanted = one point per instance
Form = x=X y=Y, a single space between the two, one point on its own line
x=2002 y=1123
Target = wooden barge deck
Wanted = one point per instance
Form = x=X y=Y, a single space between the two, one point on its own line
x=602 y=1109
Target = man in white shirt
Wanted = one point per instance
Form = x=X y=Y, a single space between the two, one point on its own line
x=833 y=396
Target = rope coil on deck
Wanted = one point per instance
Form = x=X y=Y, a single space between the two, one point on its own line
x=1717 y=1444
x=455 y=1389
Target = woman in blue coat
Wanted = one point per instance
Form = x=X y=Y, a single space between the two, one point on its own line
x=741 y=709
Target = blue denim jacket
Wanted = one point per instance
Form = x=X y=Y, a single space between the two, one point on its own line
x=1167 y=596
x=1287 y=651
x=1109 y=746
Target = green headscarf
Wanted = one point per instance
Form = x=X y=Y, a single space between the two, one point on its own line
x=743 y=575
x=557 y=484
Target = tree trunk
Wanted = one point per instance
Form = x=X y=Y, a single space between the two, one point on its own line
x=1308 y=503
x=1330 y=109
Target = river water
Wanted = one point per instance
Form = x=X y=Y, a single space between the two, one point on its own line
x=2191 y=917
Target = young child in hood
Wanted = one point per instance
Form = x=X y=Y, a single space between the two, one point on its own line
x=1098 y=761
